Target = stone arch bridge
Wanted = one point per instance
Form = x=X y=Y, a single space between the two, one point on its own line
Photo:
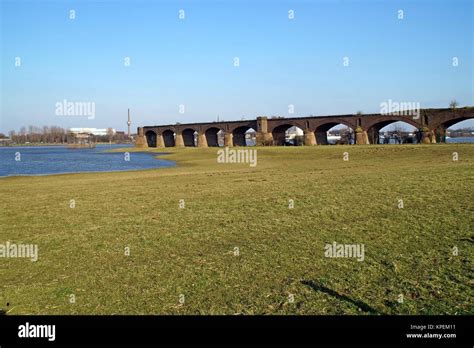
x=431 y=125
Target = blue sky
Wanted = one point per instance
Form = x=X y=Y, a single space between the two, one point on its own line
x=190 y=62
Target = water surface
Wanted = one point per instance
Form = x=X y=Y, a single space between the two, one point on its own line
x=45 y=160
x=460 y=140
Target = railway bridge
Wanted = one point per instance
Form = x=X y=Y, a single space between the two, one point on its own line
x=430 y=123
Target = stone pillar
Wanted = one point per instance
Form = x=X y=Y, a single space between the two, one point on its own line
x=160 y=142
x=425 y=135
x=228 y=139
x=362 y=137
x=140 y=141
x=309 y=137
x=178 y=141
x=425 y=139
x=263 y=137
x=202 y=141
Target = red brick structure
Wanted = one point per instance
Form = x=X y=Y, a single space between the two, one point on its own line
x=431 y=124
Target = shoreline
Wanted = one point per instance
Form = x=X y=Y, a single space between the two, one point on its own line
x=157 y=153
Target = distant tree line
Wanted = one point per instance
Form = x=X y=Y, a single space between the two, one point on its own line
x=33 y=134
x=461 y=132
x=56 y=135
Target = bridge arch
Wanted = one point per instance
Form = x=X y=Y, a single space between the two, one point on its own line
x=189 y=137
x=321 y=132
x=274 y=123
x=282 y=137
x=239 y=135
x=151 y=138
x=213 y=134
x=399 y=132
x=168 y=138
x=445 y=124
x=440 y=129
x=373 y=129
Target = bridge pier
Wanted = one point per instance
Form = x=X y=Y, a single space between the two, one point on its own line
x=264 y=139
x=179 y=141
x=160 y=142
x=425 y=139
x=426 y=135
x=228 y=139
x=202 y=141
x=141 y=141
x=309 y=137
x=362 y=138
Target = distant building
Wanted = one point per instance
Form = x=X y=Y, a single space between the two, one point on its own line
x=80 y=140
x=5 y=141
x=293 y=132
x=294 y=136
x=95 y=131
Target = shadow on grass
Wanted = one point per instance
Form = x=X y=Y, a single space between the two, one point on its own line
x=317 y=287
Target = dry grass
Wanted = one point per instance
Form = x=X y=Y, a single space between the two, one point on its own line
x=191 y=251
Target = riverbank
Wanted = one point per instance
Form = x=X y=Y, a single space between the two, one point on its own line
x=236 y=246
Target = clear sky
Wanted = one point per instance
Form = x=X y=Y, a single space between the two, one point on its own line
x=190 y=61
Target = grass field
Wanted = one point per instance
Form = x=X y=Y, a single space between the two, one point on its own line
x=192 y=251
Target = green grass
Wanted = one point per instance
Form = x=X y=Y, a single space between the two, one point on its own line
x=191 y=251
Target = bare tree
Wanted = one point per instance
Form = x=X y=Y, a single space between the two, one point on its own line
x=110 y=134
